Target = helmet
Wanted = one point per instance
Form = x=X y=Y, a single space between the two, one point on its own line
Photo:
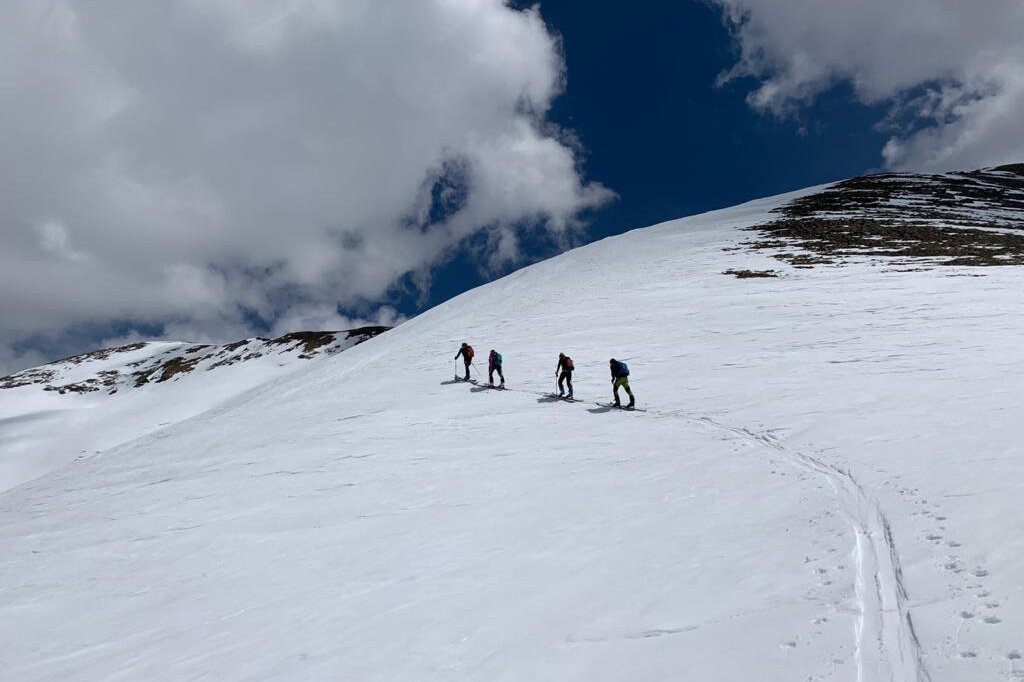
x=561 y=355
x=612 y=361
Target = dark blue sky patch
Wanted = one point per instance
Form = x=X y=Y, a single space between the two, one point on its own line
x=641 y=98
x=449 y=192
x=445 y=192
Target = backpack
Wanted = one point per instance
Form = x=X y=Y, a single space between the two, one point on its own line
x=623 y=369
x=468 y=352
x=568 y=364
x=496 y=359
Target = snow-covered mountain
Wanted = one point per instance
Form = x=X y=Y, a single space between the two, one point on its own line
x=826 y=483
x=85 y=404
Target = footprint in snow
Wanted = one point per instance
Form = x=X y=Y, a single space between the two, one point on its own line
x=968 y=654
x=952 y=543
x=979 y=573
x=1013 y=656
x=966 y=615
x=993 y=620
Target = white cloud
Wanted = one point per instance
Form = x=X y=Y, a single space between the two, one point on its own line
x=12 y=360
x=301 y=318
x=955 y=69
x=55 y=239
x=190 y=160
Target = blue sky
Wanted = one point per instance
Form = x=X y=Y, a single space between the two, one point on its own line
x=642 y=98
x=212 y=170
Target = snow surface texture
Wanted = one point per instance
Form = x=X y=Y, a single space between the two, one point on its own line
x=826 y=486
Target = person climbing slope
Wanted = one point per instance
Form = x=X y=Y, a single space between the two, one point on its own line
x=466 y=351
x=564 y=372
x=494 y=365
x=620 y=377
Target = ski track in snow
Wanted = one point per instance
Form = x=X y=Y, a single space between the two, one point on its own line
x=887 y=643
x=887 y=646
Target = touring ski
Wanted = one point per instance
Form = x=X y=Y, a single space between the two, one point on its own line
x=624 y=408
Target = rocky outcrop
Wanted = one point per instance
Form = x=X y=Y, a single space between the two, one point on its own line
x=138 y=364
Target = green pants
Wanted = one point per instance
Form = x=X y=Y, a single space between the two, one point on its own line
x=624 y=383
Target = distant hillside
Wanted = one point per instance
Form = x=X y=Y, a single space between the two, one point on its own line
x=138 y=364
x=80 y=406
x=970 y=218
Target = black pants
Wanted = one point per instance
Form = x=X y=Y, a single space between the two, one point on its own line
x=467 y=368
x=492 y=370
x=565 y=376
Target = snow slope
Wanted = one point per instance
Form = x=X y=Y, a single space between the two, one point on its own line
x=82 y=405
x=826 y=485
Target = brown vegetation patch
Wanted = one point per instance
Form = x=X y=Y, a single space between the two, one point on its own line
x=937 y=197
x=367 y=332
x=747 y=274
x=1017 y=168
x=973 y=219
x=168 y=365
x=101 y=354
x=27 y=378
x=168 y=370
x=87 y=386
x=831 y=238
x=310 y=340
